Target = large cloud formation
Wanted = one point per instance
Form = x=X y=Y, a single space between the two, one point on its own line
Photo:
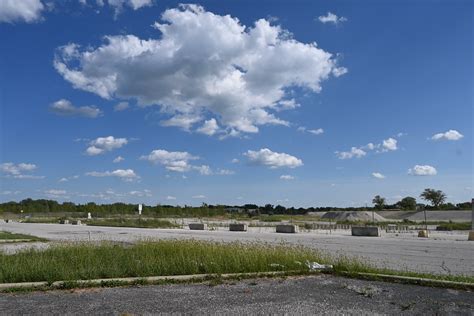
x=28 y=11
x=203 y=66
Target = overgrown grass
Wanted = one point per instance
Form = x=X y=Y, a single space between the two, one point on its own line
x=121 y=222
x=106 y=260
x=454 y=226
x=85 y=261
x=11 y=236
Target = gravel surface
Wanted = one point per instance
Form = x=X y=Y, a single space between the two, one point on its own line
x=444 y=253
x=321 y=295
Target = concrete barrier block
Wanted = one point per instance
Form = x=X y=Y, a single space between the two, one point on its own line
x=423 y=233
x=471 y=235
x=287 y=229
x=64 y=221
x=370 y=231
x=197 y=226
x=237 y=227
x=78 y=222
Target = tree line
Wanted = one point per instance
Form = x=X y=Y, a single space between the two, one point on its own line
x=436 y=198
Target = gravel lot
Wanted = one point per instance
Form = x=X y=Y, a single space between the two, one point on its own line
x=442 y=253
x=322 y=295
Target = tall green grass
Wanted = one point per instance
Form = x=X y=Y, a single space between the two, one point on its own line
x=107 y=260
x=85 y=261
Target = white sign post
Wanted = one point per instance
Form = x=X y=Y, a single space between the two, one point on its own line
x=140 y=207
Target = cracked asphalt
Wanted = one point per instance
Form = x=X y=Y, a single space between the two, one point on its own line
x=315 y=295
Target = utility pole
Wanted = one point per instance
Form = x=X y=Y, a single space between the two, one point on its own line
x=472 y=217
x=471 y=233
x=424 y=212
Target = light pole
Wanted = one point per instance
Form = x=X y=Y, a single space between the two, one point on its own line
x=424 y=213
x=472 y=216
x=471 y=233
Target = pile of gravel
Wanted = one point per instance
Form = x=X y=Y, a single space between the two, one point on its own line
x=362 y=216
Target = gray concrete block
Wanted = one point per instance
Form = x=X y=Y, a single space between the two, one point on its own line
x=471 y=236
x=237 y=227
x=77 y=222
x=287 y=228
x=64 y=221
x=371 y=231
x=197 y=226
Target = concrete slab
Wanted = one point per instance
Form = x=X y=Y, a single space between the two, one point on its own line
x=197 y=226
x=236 y=227
x=287 y=229
x=368 y=231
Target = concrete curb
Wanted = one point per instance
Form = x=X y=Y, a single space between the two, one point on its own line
x=203 y=277
x=8 y=241
x=151 y=279
x=410 y=280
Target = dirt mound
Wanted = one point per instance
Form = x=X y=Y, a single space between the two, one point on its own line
x=362 y=216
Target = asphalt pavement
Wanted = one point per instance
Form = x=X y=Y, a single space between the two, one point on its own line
x=315 y=295
x=442 y=253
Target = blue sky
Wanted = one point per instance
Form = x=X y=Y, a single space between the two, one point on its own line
x=299 y=103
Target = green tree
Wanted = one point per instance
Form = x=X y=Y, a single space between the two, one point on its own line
x=407 y=203
x=378 y=202
x=435 y=197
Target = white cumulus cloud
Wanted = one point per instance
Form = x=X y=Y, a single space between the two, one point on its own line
x=389 y=144
x=124 y=174
x=268 y=158
x=121 y=106
x=209 y=127
x=331 y=18
x=172 y=160
x=119 y=5
x=353 y=153
x=28 y=11
x=203 y=66
x=286 y=177
x=101 y=145
x=422 y=170
x=449 y=135
x=17 y=171
x=318 y=131
x=66 y=108
x=378 y=175
x=144 y=193
x=118 y=159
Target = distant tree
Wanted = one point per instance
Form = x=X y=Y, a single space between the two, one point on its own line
x=268 y=209
x=407 y=203
x=378 y=202
x=464 y=206
x=280 y=209
x=435 y=197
